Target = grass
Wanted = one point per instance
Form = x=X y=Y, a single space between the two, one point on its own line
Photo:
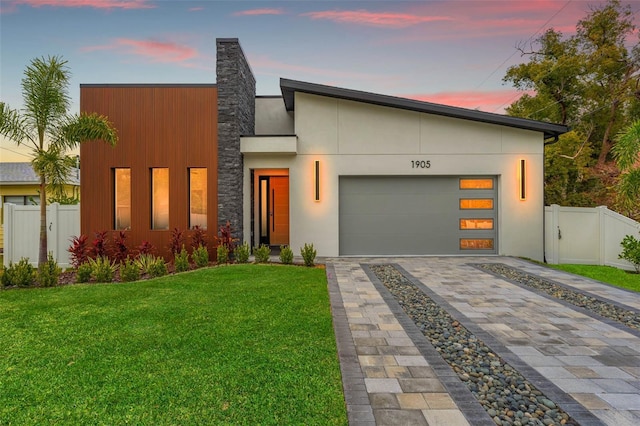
x=243 y=344
x=607 y=274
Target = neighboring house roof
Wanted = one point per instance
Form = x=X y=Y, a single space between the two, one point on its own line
x=23 y=174
x=289 y=87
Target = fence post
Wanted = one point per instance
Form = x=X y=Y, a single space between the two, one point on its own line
x=555 y=227
x=8 y=233
x=52 y=230
x=601 y=230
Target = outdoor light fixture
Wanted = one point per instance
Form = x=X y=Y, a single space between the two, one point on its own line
x=523 y=181
x=317 y=198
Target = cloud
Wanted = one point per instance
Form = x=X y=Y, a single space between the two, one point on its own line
x=374 y=19
x=153 y=50
x=195 y=9
x=255 y=12
x=489 y=101
x=96 y=4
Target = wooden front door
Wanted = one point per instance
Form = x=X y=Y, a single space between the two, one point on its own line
x=274 y=210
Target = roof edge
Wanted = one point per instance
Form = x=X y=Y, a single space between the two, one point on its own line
x=289 y=87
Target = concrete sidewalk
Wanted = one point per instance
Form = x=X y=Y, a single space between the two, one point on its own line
x=393 y=376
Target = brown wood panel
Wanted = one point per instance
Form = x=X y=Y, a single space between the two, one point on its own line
x=172 y=126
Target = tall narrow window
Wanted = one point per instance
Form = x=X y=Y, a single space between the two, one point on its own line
x=122 y=212
x=198 y=197
x=160 y=198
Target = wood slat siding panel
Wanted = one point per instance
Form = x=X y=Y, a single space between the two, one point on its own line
x=158 y=126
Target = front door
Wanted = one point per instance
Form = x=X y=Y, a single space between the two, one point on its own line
x=274 y=210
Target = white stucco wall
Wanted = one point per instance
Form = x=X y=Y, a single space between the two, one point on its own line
x=271 y=117
x=352 y=138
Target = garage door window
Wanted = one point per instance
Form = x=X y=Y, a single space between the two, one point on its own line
x=476 y=203
x=476 y=183
x=476 y=223
x=476 y=243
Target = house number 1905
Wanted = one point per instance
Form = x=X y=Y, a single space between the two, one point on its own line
x=420 y=164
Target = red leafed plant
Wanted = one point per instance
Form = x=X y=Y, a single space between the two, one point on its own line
x=120 y=251
x=176 y=241
x=99 y=245
x=79 y=250
x=198 y=238
x=225 y=237
x=145 y=248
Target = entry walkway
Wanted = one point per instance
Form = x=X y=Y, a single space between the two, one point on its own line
x=393 y=376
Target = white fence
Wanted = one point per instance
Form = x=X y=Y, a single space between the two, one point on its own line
x=22 y=232
x=585 y=235
x=582 y=235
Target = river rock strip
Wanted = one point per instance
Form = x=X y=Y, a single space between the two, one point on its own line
x=503 y=392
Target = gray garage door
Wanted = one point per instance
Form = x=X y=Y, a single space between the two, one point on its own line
x=411 y=215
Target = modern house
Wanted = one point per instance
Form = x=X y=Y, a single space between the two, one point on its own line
x=354 y=173
x=20 y=185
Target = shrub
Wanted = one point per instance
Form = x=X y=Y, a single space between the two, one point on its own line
x=102 y=269
x=200 y=256
x=222 y=254
x=631 y=251
x=158 y=268
x=144 y=262
x=49 y=272
x=20 y=274
x=145 y=248
x=99 y=245
x=176 y=241
x=242 y=253
x=181 y=260
x=308 y=254
x=199 y=237
x=83 y=272
x=225 y=237
x=262 y=253
x=286 y=255
x=129 y=271
x=120 y=251
x=79 y=250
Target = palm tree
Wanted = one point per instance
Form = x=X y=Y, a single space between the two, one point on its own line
x=626 y=153
x=45 y=126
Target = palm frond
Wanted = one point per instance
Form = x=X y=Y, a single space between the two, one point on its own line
x=13 y=125
x=45 y=91
x=627 y=146
x=55 y=167
x=86 y=127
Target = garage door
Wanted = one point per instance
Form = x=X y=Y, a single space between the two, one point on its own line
x=425 y=215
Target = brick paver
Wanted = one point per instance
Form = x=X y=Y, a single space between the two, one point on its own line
x=393 y=376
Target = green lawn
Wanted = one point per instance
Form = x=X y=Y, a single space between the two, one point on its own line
x=242 y=344
x=607 y=274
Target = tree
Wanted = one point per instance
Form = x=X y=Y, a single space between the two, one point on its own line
x=589 y=82
x=45 y=126
x=610 y=68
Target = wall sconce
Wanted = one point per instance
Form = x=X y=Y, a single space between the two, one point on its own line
x=522 y=175
x=317 y=197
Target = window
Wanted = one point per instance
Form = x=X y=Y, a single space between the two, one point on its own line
x=122 y=197
x=476 y=223
x=476 y=203
x=160 y=198
x=476 y=243
x=198 y=197
x=23 y=200
x=476 y=183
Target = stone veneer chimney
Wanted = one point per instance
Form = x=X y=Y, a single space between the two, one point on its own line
x=236 y=117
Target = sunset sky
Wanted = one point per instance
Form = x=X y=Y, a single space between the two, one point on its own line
x=452 y=52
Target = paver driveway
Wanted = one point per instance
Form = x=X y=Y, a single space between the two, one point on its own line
x=392 y=375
